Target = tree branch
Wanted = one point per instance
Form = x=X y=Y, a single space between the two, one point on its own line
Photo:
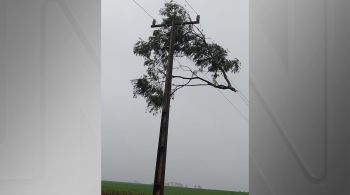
x=211 y=55
x=207 y=82
x=193 y=85
x=225 y=76
x=179 y=87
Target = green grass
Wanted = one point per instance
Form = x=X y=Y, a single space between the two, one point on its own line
x=146 y=189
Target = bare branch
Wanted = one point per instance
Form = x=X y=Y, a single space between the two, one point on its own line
x=193 y=85
x=207 y=82
x=179 y=87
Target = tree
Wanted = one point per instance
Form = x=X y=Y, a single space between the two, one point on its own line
x=190 y=42
x=181 y=41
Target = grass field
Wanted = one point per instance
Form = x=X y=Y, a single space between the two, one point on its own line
x=121 y=188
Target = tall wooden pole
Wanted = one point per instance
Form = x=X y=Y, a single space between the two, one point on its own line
x=158 y=187
x=159 y=176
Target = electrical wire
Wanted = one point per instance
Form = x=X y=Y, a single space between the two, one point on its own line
x=244 y=99
x=191 y=7
x=241 y=95
x=143 y=9
x=222 y=94
x=234 y=106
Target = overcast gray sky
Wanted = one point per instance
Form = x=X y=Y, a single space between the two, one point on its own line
x=208 y=136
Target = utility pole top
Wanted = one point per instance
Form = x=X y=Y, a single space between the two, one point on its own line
x=154 y=25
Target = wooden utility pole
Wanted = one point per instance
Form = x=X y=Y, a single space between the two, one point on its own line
x=159 y=177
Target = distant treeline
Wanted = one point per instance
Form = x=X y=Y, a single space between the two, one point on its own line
x=173 y=188
x=178 y=184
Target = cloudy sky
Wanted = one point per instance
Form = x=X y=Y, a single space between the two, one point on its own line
x=208 y=130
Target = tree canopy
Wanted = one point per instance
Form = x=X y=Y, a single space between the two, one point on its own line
x=210 y=65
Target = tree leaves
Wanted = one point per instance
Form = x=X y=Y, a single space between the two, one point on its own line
x=189 y=42
x=152 y=92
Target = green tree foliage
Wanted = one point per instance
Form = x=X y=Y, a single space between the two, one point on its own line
x=190 y=43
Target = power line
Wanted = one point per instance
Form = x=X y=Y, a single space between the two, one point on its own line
x=191 y=7
x=234 y=106
x=223 y=95
x=244 y=99
x=143 y=9
x=241 y=95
